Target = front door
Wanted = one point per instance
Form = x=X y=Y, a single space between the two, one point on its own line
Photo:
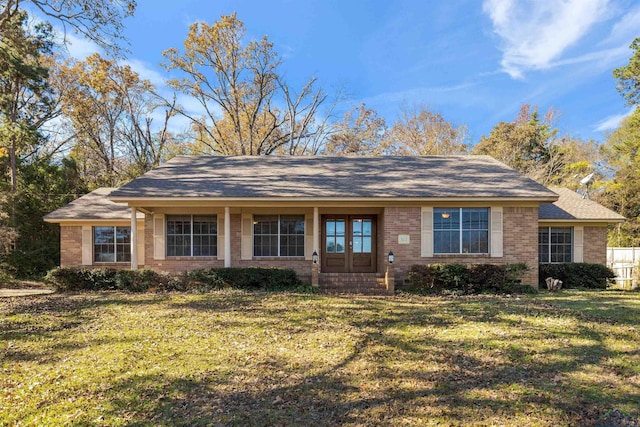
x=349 y=243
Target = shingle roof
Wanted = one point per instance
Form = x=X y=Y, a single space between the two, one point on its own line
x=334 y=177
x=571 y=205
x=94 y=205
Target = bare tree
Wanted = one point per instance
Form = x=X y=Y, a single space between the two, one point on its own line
x=100 y=21
x=420 y=132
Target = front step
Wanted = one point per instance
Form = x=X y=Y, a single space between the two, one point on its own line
x=353 y=283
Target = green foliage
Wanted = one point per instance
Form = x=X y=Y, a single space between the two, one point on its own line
x=577 y=275
x=7 y=274
x=628 y=77
x=104 y=279
x=199 y=281
x=467 y=279
x=268 y=279
x=531 y=145
x=622 y=193
x=43 y=187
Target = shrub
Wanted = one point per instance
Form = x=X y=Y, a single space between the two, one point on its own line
x=7 y=274
x=577 y=275
x=469 y=279
x=202 y=280
x=269 y=279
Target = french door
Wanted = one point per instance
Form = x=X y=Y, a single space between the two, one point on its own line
x=349 y=243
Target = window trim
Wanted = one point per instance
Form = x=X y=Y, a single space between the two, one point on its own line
x=191 y=255
x=549 y=245
x=460 y=230
x=253 y=238
x=115 y=244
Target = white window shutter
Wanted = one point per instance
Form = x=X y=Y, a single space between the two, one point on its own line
x=221 y=236
x=158 y=236
x=87 y=245
x=308 y=236
x=578 y=244
x=141 y=245
x=426 y=233
x=246 y=252
x=496 y=232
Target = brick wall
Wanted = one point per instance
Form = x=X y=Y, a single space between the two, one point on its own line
x=70 y=246
x=520 y=242
x=173 y=264
x=71 y=250
x=180 y=264
x=595 y=245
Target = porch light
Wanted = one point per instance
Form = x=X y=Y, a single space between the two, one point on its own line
x=445 y=215
x=314 y=257
x=390 y=257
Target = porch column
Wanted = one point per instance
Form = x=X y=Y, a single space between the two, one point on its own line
x=227 y=237
x=134 y=239
x=316 y=232
x=315 y=267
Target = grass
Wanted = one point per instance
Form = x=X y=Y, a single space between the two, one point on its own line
x=233 y=358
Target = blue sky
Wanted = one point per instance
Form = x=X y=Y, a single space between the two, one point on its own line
x=473 y=61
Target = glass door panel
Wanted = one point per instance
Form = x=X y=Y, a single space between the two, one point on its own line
x=335 y=236
x=361 y=235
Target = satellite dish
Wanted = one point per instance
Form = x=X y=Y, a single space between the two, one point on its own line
x=587 y=179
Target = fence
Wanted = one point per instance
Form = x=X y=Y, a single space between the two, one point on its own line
x=623 y=262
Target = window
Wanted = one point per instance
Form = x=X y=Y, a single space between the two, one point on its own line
x=461 y=230
x=278 y=235
x=112 y=244
x=192 y=235
x=555 y=244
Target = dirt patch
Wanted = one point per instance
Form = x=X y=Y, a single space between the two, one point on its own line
x=24 y=292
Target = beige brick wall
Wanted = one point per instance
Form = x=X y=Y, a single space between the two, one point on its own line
x=595 y=245
x=180 y=264
x=520 y=244
x=71 y=250
x=70 y=246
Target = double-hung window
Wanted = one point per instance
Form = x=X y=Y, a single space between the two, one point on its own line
x=555 y=244
x=111 y=244
x=461 y=230
x=192 y=235
x=278 y=235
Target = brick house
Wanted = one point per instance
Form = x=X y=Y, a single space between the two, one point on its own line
x=335 y=220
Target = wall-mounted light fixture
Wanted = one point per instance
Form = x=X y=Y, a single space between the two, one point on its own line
x=390 y=257
x=314 y=257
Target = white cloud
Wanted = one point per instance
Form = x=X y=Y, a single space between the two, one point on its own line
x=77 y=47
x=611 y=122
x=146 y=71
x=626 y=29
x=535 y=33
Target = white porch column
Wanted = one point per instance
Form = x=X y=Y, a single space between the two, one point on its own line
x=134 y=239
x=316 y=231
x=227 y=237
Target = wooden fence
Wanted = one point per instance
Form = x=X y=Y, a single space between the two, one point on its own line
x=623 y=262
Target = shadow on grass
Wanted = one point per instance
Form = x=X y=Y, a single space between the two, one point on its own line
x=402 y=366
x=451 y=382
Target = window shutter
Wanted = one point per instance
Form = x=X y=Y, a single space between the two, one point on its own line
x=426 y=235
x=158 y=236
x=221 y=237
x=496 y=232
x=246 y=252
x=141 y=245
x=87 y=245
x=578 y=244
x=308 y=236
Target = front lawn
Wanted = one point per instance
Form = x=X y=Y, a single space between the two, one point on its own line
x=234 y=358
